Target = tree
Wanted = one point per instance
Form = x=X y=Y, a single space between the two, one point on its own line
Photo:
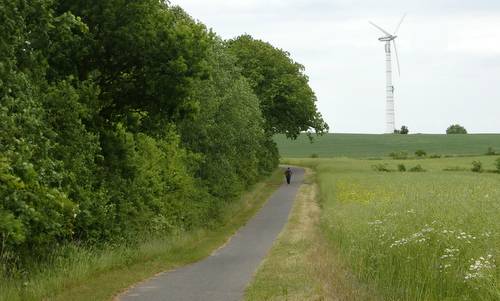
x=228 y=125
x=145 y=55
x=456 y=129
x=287 y=101
x=404 y=130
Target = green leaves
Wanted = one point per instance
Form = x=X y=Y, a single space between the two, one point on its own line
x=286 y=100
x=124 y=117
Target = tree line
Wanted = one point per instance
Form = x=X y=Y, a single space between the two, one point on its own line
x=123 y=118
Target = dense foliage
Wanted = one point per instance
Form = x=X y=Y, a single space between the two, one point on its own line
x=286 y=99
x=456 y=129
x=120 y=118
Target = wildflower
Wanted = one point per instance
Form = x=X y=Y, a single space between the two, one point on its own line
x=480 y=267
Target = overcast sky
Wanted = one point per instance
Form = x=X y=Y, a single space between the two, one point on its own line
x=449 y=52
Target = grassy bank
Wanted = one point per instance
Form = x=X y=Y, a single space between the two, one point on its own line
x=430 y=235
x=292 y=270
x=365 y=145
x=78 y=273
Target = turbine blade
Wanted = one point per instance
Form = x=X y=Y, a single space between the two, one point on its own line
x=379 y=28
x=397 y=58
x=399 y=24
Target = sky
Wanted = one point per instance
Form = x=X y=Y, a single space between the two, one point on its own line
x=449 y=52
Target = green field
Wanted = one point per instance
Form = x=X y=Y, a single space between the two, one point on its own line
x=368 y=145
x=430 y=235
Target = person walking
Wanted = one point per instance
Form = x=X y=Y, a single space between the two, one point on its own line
x=288 y=175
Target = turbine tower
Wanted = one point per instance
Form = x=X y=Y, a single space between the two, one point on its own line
x=388 y=38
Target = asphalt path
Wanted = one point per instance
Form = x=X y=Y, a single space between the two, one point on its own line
x=224 y=275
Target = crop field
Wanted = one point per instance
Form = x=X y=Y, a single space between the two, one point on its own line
x=367 y=145
x=428 y=235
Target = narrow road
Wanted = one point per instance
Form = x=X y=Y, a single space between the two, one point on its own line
x=224 y=275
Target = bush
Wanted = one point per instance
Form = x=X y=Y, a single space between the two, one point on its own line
x=497 y=163
x=477 y=166
x=314 y=156
x=420 y=153
x=456 y=129
x=399 y=155
x=490 y=152
x=401 y=167
x=381 y=167
x=435 y=156
x=417 y=168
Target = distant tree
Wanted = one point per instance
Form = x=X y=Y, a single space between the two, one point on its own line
x=404 y=130
x=397 y=132
x=456 y=129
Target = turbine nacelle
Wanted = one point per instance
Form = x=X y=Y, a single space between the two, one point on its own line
x=387 y=38
x=390 y=38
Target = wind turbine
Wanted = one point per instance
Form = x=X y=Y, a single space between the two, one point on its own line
x=388 y=38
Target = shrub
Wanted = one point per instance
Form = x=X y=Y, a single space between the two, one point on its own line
x=401 y=167
x=435 y=156
x=497 y=163
x=420 y=153
x=381 y=167
x=417 y=168
x=399 y=155
x=314 y=156
x=477 y=166
x=490 y=152
x=456 y=129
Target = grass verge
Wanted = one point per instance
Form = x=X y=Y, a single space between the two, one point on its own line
x=87 y=274
x=301 y=265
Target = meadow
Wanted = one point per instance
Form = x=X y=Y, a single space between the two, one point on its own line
x=368 y=145
x=429 y=235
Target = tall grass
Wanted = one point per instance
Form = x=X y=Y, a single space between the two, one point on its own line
x=415 y=236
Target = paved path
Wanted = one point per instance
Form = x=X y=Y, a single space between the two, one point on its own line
x=224 y=275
